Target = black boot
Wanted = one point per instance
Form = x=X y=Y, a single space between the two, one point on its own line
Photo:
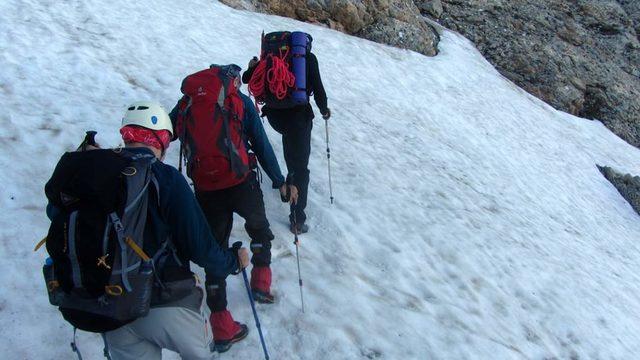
x=298 y=228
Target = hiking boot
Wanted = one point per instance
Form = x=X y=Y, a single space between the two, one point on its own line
x=226 y=331
x=224 y=345
x=263 y=297
x=261 y=284
x=299 y=228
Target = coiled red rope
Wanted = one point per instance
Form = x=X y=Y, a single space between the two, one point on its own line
x=256 y=84
x=279 y=77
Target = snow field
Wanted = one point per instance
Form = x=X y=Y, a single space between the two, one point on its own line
x=470 y=220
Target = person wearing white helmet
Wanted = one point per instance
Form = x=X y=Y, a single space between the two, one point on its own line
x=146 y=123
x=177 y=320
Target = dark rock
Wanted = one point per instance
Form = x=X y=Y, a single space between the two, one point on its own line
x=393 y=22
x=432 y=8
x=582 y=57
x=401 y=34
x=632 y=8
x=628 y=186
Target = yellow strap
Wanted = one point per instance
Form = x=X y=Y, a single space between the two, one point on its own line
x=137 y=249
x=39 y=245
x=114 y=290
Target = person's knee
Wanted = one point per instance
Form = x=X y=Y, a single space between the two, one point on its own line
x=260 y=233
x=299 y=159
x=125 y=345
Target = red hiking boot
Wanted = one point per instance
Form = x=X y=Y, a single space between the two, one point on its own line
x=261 y=284
x=226 y=331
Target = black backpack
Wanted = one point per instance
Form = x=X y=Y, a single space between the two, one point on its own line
x=99 y=275
x=280 y=78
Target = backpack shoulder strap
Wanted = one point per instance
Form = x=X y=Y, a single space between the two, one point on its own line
x=130 y=226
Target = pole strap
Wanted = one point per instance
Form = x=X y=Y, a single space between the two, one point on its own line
x=105 y=351
x=74 y=347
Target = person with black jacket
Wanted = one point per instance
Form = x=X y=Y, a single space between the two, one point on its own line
x=295 y=124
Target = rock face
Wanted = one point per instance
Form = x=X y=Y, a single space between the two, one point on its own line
x=628 y=186
x=393 y=22
x=580 y=56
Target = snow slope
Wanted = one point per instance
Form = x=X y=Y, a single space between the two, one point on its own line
x=470 y=220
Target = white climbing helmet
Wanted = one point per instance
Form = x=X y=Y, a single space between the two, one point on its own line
x=147 y=114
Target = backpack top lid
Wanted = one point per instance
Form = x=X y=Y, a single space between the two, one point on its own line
x=88 y=179
x=284 y=37
x=195 y=83
x=229 y=71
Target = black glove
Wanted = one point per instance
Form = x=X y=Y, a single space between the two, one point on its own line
x=327 y=114
x=253 y=62
x=287 y=194
x=235 y=250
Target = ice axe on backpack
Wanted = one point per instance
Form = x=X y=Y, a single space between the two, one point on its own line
x=236 y=246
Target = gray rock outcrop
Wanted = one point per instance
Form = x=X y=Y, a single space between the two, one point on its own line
x=581 y=56
x=628 y=186
x=393 y=22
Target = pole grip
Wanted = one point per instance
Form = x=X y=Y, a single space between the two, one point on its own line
x=90 y=137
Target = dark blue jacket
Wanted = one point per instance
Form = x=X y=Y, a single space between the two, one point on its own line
x=179 y=216
x=255 y=138
x=258 y=142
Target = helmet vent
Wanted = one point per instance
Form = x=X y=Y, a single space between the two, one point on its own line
x=143 y=108
x=131 y=108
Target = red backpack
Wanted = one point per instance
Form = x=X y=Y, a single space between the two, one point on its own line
x=209 y=125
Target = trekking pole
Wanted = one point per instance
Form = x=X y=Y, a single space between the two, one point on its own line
x=236 y=246
x=180 y=158
x=326 y=127
x=296 y=242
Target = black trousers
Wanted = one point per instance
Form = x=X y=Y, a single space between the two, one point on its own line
x=295 y=128
x=218 y=206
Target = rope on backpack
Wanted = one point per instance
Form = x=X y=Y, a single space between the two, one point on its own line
x=278 y=77
x=256 y=84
